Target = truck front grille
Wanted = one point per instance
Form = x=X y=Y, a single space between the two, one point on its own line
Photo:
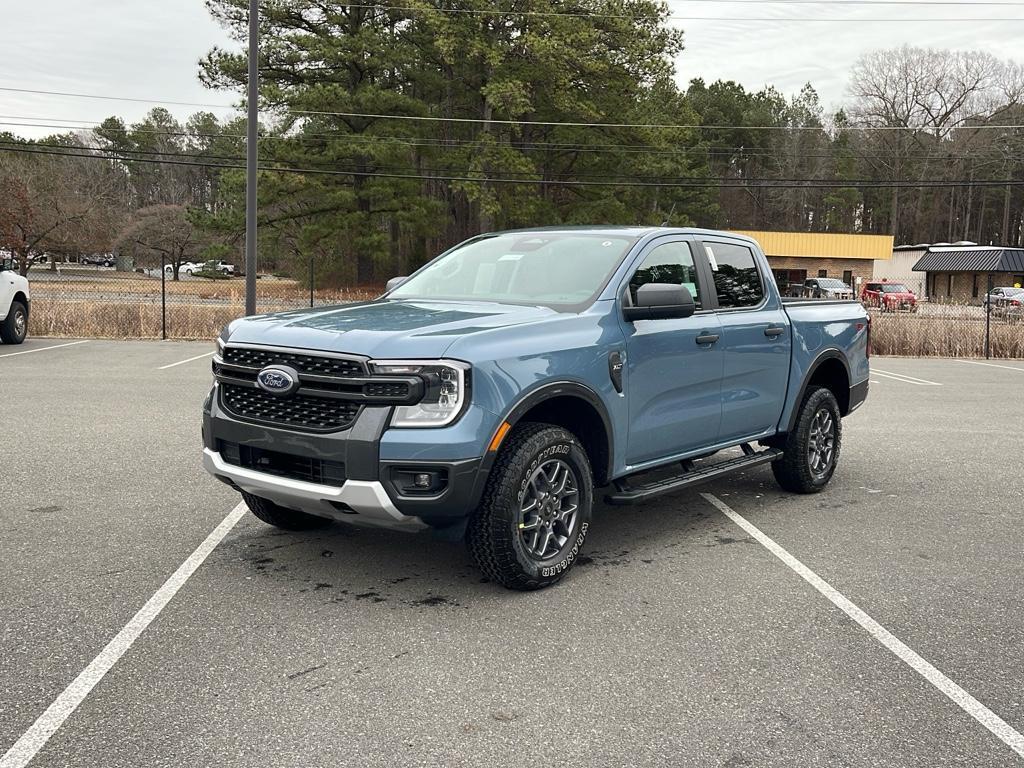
x=324 y=366
x=288 y=465
x=317 y=414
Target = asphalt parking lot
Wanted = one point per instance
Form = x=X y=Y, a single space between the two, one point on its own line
x=680 y=640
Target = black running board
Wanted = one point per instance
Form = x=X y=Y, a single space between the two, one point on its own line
x=628 y=493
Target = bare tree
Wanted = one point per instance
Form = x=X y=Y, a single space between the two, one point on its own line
x=162 y=234
x=52 y=203
x=919 y=98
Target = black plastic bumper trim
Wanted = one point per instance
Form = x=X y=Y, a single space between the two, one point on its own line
x=858 y=394
x=357 y=447
x=466 y=480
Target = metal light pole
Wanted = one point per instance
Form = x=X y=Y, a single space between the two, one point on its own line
x=163 y=297
x=251 y=140
x=988 y=318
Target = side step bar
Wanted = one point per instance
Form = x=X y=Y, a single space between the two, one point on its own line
x=689 y=474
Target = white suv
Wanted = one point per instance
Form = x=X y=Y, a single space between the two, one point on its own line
x=14 y=303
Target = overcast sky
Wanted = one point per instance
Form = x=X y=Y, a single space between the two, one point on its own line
x=149 y=49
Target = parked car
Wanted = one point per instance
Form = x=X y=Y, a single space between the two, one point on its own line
x=492 y=393
x=14 y=303
x=827 y=288
x=216 y=265
x=889 y=297
x=1007 y=303
x=185 y=268
x=99 y=260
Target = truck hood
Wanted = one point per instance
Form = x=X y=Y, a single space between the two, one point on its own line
x=382 y=329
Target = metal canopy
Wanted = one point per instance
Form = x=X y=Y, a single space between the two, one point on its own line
x=972 y=260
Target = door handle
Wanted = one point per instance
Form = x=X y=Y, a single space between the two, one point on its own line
x=707 y=338
x=773 y=330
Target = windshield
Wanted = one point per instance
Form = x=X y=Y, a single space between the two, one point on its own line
x=831 y=283
x=895 y=288
x=547 y=268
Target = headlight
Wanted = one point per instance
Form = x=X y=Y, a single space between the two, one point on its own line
x=447 y=382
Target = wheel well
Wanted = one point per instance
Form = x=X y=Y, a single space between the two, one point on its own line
x=832 y=375
x=583 y=420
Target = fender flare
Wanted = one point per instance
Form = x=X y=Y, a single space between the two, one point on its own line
x=555 y=389
x=829 y=354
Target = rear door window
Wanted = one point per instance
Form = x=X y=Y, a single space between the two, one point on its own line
x=737 y=280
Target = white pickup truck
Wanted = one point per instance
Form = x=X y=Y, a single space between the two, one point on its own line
x=14 y=303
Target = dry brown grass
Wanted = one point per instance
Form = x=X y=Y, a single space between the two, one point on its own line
x=914 y=335
x=119 y=320
x=228 y=290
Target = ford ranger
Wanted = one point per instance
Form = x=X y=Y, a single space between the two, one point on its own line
x=492 y=393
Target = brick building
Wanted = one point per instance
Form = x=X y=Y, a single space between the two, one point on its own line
x=960 y=274
x=796 y=256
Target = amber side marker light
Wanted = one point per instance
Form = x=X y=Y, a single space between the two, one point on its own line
x=499 y=436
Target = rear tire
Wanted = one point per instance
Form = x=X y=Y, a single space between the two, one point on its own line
x=282 y=517
x=530 y=526
x=14 y=328
x=811 y=451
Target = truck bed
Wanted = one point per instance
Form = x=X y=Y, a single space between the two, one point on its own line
x=788 y=300
x=823 y=327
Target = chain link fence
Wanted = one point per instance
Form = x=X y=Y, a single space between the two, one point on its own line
x=949 y=330
x=76 y=300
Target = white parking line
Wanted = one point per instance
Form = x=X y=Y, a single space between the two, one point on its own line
x=1002 y=730
x=906 y=379
x=993 y=365
x=182 y=362
x=67 y=702
x=43 y=349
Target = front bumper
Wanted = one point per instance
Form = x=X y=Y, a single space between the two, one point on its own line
x=367 y=499
x=375 y=458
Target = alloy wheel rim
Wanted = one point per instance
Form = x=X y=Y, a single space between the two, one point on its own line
x=821 y=445
x=549 y=509
x=19 y=323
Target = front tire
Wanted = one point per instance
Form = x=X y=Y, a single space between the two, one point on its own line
x=14 y=328
x=282 y=517
x=530 y=526
x=811 y=451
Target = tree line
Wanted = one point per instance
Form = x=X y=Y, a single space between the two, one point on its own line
x=391 y=133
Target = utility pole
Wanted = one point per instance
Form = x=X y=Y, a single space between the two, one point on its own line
x=252 y=137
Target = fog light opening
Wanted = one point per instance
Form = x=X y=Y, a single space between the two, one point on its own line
x=418 y=481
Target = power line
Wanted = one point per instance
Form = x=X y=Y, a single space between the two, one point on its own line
x=683 y=182
x=697 y=152
x=565 y=124
x=116 y=98
x=645 y=150
x=544 y=123
x=635 y=17
x=862 y=2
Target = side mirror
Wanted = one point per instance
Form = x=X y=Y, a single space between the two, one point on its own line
x=393 y=283
x=661 y=301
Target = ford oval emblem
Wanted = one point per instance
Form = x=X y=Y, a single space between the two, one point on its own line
x=278 y=380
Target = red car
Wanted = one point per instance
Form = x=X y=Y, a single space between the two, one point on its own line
x=889 y=297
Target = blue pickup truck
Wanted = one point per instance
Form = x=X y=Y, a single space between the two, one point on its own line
x=490 y=395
